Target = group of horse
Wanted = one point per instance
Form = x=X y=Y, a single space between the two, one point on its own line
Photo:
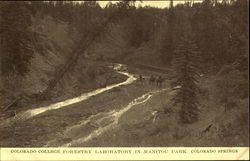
x=152 y=80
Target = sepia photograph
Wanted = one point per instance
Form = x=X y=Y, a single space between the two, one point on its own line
x=167 y=73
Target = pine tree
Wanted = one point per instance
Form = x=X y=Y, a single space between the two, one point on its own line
x=185 y=79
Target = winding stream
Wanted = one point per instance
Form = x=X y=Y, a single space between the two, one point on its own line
x=33 y=112
x=95 y=125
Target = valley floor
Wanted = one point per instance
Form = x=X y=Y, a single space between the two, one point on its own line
x=137 y=114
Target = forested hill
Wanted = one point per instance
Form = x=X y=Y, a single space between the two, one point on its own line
x=39 y=37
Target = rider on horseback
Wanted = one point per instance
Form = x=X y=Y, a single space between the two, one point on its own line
x=151 y=79
x=159 y=81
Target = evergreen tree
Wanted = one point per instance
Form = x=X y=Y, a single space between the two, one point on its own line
x=185 y=79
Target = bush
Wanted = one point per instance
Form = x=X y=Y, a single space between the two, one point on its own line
x=231 y=86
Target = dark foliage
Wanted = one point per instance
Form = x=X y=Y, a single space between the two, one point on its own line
x=186 y=80
x=16 y=50
x=220 y=29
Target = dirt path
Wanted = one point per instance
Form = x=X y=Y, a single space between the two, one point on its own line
x=36 y=111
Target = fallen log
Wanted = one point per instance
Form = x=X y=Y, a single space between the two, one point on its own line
x=208 y=128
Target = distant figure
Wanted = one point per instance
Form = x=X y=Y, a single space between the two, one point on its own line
x=159 y=81
x=141 y=79
x=152 y=80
